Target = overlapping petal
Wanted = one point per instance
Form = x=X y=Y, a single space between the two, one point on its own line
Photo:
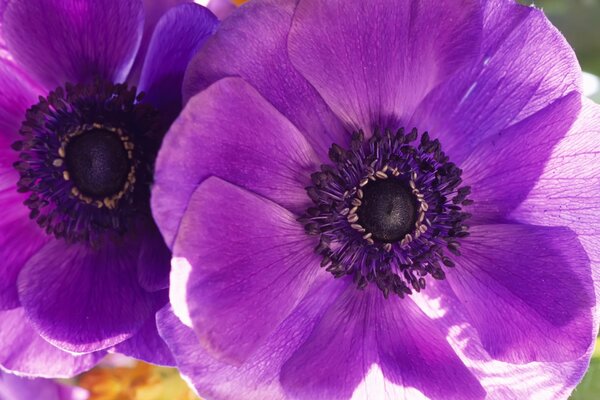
x=177 y=37
x=74 y=41
x=248 y=257
x=526 y=308
x=502 y=86
x=23 y=351
x=259 y=31
x=262 y=151
x=373 y=62
x=363 y=328
x=505 y=167
x=84 y=299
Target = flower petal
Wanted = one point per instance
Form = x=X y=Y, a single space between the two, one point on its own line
x=373 y=62
x=154 y=260
x=177 y=37
x=504 y=168
x=567 y=192
x=501 y=380
x=83 y=299
x=17 y=93
x=258 y=377
x=252 y=44
x=23 y=351
x=20 y=237
x=528 y=292
x=147 y=345
x=262 y=152
x=18 y=388
x=502 y=86
x=250 y=264
x=362 y=328
x=153 y=11
x=74 y=41
x=221 y=8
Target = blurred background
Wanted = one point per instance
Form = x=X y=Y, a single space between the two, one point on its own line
x=119 y=378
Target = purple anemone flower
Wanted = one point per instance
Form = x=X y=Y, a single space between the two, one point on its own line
x=88 y=89
x=18 y=388
x=382 y=199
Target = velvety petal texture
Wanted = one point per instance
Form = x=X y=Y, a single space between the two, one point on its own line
x=259 y=31
x=528 y=308
x=262 y=151
x=373 y=62
x=18 y=233
x=75 y=295
x=17 y=388
x=263 y=272
x=506 y=161
x=147 y=345
x=177 y=37
x=153 y=11
x=63 y=42
x=501 y=86
x=393 y=334
x=23 y=351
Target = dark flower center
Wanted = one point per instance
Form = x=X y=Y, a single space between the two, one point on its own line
x=86 y=159
x=97 y=162
x=387 y=211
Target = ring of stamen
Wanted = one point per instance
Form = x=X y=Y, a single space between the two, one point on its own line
x=70 y=196
x=396 y=264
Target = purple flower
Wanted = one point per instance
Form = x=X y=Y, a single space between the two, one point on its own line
x=84 y=267
x=17 y=388
x=324 y=249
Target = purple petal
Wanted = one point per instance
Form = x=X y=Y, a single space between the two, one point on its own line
x=501 y=380
x=17 y=93
x=23 y=351
x=19 y=388
x=502 y=86
x=177 y=37
x=392 y=333
x=252 y=44
x=147 y=345
x=250 y=264
x=83 y=299
x=504 y=168
x=258 y=377
x=74 y=41
x=221 y=8
x=373 y=62
x=568 y=191
x=20 y=237
x=262 y=152
x=153 y=12
x=527 y=291
x=154 y=260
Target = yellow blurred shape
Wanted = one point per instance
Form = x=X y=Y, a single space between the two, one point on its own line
x=239 y=2
x=140 y=382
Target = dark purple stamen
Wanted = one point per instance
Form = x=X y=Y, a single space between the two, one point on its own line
x=86 y=158
x=387 y=211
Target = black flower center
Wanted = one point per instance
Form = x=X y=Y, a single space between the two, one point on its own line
x=97 y=163
x=388 y=210
x=86 y=159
